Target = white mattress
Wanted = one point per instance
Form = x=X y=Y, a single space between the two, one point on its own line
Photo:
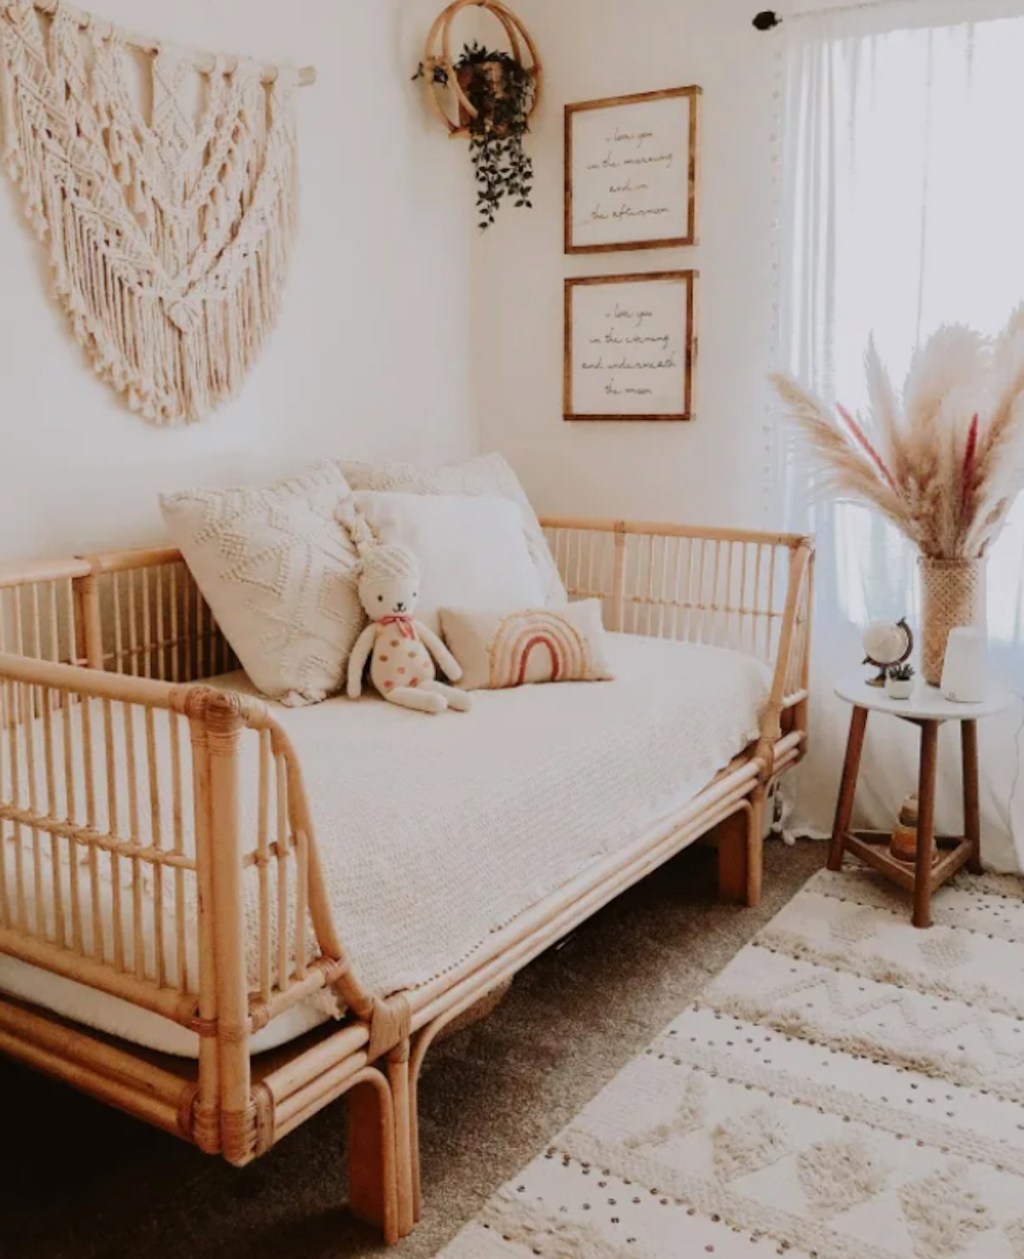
x=434 y=832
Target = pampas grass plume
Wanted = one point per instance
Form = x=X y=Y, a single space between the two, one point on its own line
x=945 y=463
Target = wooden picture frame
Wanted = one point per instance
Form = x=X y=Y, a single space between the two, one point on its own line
x=648 y=188
x=645 y=324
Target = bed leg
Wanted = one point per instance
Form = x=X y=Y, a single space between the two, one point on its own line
x=372 y=1173
x=402 y=1093
x=414 y=1144
x=740 y=856
x=755 y=845
x=420 y=1044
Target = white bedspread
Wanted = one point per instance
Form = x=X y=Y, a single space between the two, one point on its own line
x=434 y=832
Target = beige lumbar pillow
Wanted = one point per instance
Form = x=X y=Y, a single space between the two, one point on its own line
x=489 y=474
x=497 y=649
x=279 y=573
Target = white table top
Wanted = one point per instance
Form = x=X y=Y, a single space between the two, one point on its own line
x=925 y=704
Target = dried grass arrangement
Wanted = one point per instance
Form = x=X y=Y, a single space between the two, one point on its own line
x=945 y=461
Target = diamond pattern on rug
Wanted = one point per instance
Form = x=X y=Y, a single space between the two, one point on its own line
x=687 y=1117
x=853 y=924
x=862 y=1102
x=838 y=1175
x=943 y=1213
x=947 y=951
x=1015 y=1236
x=748 y=1143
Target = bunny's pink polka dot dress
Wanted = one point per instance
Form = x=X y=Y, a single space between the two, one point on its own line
x=399 y=658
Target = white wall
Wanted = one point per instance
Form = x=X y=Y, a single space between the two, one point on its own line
x=370 y=355
x=706 y=471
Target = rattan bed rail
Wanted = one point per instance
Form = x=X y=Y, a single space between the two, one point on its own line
x=750 y=591
x=81 y=780
x=124 y=863
x=103 y=882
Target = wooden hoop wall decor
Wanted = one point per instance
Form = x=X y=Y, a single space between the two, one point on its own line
x=438 y=54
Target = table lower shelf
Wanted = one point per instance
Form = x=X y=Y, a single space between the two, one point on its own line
x=872 y=847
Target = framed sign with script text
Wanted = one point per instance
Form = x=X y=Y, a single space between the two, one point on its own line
x=630 y=346
x=631 y=172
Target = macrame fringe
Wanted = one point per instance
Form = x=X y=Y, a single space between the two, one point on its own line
x=168 y=243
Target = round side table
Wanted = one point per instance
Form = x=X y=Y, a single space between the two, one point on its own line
x=937 y=859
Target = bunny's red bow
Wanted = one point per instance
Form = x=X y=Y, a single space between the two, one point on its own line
x=404 y=624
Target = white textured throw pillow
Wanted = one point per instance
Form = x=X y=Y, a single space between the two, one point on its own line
x=278 y=571
x=471 y=551
x=502 y=649
x=480 y=475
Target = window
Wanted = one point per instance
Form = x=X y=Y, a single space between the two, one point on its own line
x=904 y=210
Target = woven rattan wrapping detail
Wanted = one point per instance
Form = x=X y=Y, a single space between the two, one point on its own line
x=204 y=1027
x=206 y=1127
x=952 y=594
x=238 y=1130
x=389 y=1024
x=186 y=1111
x=263 y=1100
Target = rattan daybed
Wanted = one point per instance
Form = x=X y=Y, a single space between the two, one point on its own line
x=162 y=877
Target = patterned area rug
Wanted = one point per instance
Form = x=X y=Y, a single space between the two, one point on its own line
x=848 y=1088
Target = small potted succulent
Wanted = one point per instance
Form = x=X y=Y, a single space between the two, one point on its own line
x=899 y=682
x=501 y=91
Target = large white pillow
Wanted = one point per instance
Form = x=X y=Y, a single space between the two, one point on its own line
x=471 y=551
x=278 y=570
x=480 y=475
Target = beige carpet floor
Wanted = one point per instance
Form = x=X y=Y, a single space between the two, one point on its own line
x=80 y=1180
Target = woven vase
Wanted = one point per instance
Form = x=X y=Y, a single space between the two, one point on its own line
x=952 y=594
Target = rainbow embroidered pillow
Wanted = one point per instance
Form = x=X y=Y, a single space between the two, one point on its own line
x=501 y=649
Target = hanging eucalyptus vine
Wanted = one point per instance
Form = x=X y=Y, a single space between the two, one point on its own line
x=501 y=91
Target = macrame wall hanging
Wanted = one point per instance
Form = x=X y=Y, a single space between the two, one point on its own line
x=168 y=235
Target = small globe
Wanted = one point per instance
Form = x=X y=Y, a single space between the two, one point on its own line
x=887 y=643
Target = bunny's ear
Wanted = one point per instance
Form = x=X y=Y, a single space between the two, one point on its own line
x=357 y=526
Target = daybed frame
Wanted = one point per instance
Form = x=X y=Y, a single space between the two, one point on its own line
x=129 y=632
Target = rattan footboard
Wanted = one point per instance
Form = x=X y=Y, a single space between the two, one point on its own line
x=108 y=736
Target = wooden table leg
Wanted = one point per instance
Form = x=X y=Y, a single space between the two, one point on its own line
x=848 y=786
x=925 y=824
x=972 y=809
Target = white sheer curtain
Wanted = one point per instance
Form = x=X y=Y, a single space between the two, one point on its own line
x=902 y=209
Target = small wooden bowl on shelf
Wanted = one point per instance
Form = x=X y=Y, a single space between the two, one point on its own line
x=903 y=845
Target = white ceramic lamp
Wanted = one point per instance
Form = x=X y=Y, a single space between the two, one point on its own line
x=965 y=671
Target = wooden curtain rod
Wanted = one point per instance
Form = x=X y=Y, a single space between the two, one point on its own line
x=205 y=63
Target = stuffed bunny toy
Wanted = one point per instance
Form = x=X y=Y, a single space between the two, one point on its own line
x=401 y=650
